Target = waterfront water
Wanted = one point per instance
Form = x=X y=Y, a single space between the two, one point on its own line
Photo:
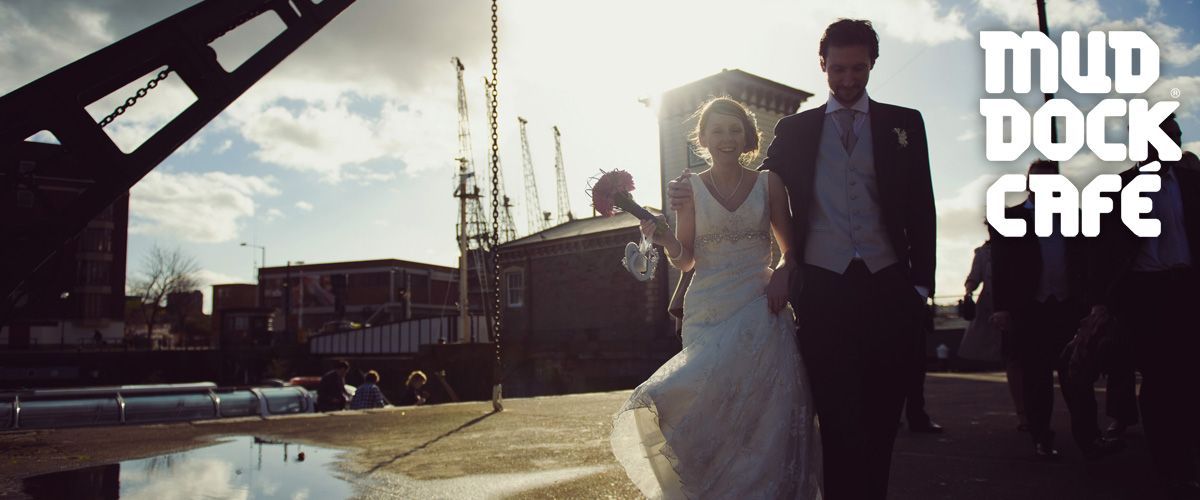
x=238 y=468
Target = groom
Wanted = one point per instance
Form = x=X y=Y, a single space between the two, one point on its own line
x=857 y=173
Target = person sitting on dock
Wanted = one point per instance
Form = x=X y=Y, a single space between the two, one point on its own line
x=331 y=394
x=413 y=395
x=368 y=396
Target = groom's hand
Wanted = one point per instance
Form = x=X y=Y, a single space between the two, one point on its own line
x=679 y=191
x=777 y=291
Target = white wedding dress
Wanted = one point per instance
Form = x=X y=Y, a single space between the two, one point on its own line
x=731 y=415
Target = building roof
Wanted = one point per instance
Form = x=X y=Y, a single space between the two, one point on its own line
x=359 y=265
x=580 y=227
x=749 y=89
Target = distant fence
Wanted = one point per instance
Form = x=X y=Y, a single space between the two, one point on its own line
x=398 y=338
x=107 y=344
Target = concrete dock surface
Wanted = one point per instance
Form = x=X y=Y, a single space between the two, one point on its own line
x=557 y=448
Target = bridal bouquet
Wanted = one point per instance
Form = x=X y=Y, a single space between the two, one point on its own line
x=610 y=190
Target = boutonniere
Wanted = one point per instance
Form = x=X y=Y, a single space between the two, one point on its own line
x=901 y=137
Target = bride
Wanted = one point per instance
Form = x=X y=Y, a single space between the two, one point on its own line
x=731 y=415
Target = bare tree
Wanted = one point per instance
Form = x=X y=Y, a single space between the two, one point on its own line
x=163 y=271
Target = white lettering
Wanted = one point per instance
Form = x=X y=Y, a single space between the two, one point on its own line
x=1144 y=128
x=1124 y=42
x=1096 y=81
x=1095 y=203
x=1096 y=129
x=996 y=110
x=1073 y=133
x=1054 y=194
x=1011 y=183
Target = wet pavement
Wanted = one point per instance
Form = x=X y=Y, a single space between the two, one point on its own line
x=539 y=448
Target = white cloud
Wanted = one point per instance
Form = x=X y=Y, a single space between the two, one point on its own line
x=1173 y=48
x=304 y=205
x=327 y=138
x=201 y=208
x=916 y=21
x=191 y=146
x=223 y=147
x=273 y=215
x=28 y=52
x=1022 y=16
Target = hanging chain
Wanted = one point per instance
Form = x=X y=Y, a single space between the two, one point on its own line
x=495 y=236
x=162 y=75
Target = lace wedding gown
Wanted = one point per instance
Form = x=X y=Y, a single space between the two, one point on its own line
x=730 y=416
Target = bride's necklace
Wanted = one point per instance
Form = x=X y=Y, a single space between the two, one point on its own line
x=741 y=173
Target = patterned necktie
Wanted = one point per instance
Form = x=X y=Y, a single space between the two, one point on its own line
x=845 y=118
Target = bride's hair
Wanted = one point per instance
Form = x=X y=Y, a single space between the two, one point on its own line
x=726 y=106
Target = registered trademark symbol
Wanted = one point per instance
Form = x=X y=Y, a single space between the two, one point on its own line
x=1175 y=93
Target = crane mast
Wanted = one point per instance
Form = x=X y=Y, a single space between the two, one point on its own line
x=533 y=208
x=564 y=203
x=508 y=228
x=473 y=236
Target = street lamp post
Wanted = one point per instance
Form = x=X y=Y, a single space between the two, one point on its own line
x=262 y=301
x=62 y=321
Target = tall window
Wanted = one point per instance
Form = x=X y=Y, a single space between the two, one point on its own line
x=516 y=288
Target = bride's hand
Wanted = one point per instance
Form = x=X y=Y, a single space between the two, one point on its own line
x=650 y=226
x=777 y=291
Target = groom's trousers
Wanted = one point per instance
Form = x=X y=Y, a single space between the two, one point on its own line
x=855 y=332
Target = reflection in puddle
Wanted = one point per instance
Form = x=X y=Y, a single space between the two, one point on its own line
x=244 y=468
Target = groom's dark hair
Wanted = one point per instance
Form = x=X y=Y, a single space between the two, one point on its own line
x=846 y=32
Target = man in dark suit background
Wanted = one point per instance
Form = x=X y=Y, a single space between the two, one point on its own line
x=1150 y=285
x=1038 y=287
x=857 y=174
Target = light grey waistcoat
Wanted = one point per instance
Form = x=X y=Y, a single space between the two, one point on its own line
x=844 y=217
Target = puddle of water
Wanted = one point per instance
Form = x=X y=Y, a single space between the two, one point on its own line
x=243 y=468
x=479 y=487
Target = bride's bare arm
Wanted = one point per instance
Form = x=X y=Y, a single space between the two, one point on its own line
x=781 y=225
x=678 y=245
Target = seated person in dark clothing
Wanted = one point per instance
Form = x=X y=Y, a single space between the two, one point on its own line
x=331 y=393
x=413 y=395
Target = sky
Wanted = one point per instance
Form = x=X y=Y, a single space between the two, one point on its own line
x=346 y=150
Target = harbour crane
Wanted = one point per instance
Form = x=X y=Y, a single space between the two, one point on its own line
x=538 y=220
x=564 y=203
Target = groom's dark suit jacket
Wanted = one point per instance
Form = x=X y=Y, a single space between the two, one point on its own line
x=902 y=171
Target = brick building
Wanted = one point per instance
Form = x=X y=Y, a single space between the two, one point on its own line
x=574 y=319
x=237 y=320
x=372 y=291
x=80 y=290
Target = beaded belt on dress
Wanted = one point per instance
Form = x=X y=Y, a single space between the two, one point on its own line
x=709 y=239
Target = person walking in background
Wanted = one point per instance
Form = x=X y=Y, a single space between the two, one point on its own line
x=983 y=341
x=413 y=395
x=367 y=395
x=331 y=393
x=1039 y=286
x=1149 y=285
